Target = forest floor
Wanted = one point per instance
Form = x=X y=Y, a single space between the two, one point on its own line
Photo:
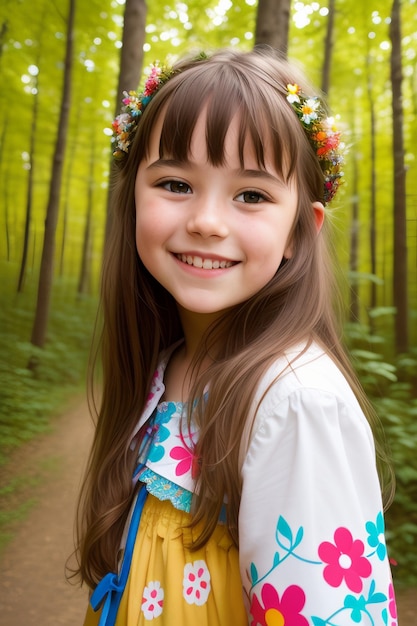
x=48 y=470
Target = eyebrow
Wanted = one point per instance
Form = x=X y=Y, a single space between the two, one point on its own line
x=241 y=173
x=168 y=163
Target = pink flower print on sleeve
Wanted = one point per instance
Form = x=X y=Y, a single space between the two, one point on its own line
x=392 y=606
x=196 y=583
x=376 y=536
x=286 y=610
x=152 y=600
x=344 y=560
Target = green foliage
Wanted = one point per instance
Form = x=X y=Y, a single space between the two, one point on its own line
x=391 y=387
x=28 y=397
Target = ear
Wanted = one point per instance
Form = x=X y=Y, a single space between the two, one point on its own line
x=319 y=213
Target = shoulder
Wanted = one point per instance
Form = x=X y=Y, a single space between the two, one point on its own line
x=300 y=370
x=304 y=392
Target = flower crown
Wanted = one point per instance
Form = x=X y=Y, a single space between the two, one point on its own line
x=125 y=124
x=319 y=128
x=322 y=135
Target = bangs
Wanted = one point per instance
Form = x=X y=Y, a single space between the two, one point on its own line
x=222 y=92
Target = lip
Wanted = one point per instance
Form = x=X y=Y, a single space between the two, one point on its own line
x=204 y=262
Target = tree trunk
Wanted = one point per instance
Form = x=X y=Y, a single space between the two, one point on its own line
x=354 y=313
x=272 y=24
x=85 y=269
x=5 y=187
x=131 y=58
x=400 y=219
x=47 y=262
x=3 y=32
x=131 y=62
x=67 y=193
x=32 y=159
x=29 y=193
x=328 y=49
x=372 y=217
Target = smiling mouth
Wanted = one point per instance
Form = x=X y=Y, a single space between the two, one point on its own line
x=206 y=264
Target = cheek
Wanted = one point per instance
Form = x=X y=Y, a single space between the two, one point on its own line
x=148 y=221
x=144 y=232
x=268 y=244
x=152 y=234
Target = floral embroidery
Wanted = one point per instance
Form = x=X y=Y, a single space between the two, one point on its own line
x=196 y=583
x=276 y=611
x=344 y=561
x=188 y=461
x=165 y=489
x=392 y=607
x=152 y=600
x=375 y=532
x=166 y=411
x=358 y=606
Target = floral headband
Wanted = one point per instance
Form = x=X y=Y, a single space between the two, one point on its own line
x=320 y=129
x=322 y=135
x=124 y=126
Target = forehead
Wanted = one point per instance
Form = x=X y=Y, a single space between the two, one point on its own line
x=222 y=128
x=197 y=144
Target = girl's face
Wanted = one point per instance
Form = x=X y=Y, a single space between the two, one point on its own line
x=212 y=236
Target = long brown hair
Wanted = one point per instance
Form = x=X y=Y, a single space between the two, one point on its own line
x=140 y=317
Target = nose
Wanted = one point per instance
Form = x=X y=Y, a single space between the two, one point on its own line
x=208 y=217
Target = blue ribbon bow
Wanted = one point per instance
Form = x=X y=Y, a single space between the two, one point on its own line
x=109 y=590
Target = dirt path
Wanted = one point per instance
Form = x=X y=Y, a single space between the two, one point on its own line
x=33 y=589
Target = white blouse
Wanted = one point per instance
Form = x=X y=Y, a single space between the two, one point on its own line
x=311 y=530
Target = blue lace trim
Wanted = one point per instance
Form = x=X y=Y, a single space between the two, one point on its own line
x=165 y=489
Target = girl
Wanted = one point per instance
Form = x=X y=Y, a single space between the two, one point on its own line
x=227 y=395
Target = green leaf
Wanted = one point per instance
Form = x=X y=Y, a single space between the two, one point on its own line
x=284 y=529
x=299 y=536
x=253 y=573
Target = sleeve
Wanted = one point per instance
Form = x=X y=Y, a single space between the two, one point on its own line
x=311 y=530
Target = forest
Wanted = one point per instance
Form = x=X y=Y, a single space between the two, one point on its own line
x=63 y=67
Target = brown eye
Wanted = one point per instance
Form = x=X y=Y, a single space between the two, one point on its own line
x=176 y=186
x=250 y=197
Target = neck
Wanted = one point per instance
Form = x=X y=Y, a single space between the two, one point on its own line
x=177 y=377
x=194 y=325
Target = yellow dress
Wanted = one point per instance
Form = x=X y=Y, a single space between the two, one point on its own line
x=170 y=585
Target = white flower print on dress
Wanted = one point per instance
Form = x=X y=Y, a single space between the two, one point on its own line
x=196 y=583
x=152 y=600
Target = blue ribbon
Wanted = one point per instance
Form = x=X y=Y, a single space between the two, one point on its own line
x=106 y=595
x=109 y=591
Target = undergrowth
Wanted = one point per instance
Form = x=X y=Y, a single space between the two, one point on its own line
x=390 y=383
x=29 y=397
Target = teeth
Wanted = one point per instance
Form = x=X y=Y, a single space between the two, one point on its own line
x=207 y=264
